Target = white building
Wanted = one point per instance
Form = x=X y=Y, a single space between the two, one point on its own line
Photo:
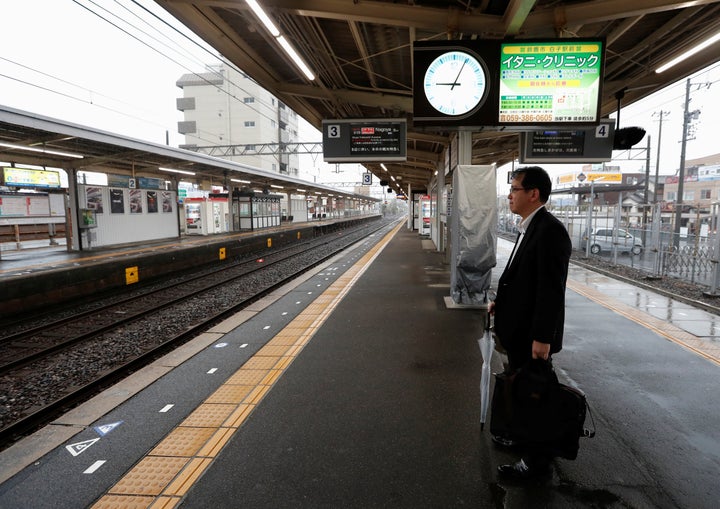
x=227 y=110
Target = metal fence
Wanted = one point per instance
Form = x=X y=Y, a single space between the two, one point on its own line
x=690 y=256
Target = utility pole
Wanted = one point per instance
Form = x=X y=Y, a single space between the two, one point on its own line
x=661 y=114
x=688 y=115
x=646 y=202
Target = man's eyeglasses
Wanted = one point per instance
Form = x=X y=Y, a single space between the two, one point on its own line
x=516 y=189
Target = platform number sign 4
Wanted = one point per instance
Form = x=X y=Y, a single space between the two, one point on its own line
x=333 y=131
x=602 y=131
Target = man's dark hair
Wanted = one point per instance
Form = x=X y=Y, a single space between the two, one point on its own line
x=534 y=177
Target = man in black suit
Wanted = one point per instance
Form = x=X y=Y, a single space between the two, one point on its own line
x=529 y=308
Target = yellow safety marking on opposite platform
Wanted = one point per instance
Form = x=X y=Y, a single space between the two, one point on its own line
x=132 y=275
x=163 y=477
x=667 y=330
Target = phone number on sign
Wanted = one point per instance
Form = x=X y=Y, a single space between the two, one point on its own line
x=526 y=117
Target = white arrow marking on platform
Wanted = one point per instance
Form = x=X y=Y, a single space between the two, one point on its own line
x=221 y=345
x=80 y=447
x=212 y=371
x=243 y=345
x=166 y=408
x=92 y=468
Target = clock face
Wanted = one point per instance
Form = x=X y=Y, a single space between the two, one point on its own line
x=455 y=83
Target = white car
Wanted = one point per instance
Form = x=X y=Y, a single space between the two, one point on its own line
x=603 y=240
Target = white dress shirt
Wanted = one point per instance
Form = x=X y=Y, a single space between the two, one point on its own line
x=522 y=227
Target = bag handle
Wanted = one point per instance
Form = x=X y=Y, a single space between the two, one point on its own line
x=589 y=433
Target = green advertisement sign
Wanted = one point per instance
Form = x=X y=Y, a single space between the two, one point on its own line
x=542 y=82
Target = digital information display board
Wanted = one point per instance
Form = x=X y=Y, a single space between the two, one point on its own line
x=591 y=145
x=522 y=84
x=543 y=82
x=359 y=140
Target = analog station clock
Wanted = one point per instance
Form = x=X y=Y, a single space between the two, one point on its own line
x=455 y=83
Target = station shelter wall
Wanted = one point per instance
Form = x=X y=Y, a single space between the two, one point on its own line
x=298 y=209
x=127 y=215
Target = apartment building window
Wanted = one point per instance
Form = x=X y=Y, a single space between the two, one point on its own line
x=248 y=100
x=705 y=194
x=670 y=196
x=249 y=123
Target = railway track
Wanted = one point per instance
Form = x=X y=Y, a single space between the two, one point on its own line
x=137 y=329
x=30 y=344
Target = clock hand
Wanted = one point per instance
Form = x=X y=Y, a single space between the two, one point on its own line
x=453 y=84
x=458 y=75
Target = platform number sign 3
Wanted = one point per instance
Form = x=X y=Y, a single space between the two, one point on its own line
x=602 y=131
x=333 y=131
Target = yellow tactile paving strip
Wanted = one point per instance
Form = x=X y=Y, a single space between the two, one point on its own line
x=707 y=349
x=164 y=476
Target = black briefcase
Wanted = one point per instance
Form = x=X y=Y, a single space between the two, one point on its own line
x=537 y=412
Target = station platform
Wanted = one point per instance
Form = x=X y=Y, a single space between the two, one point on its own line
x=34 y=278
x=357 y=387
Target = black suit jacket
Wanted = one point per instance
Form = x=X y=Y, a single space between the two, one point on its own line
x=530 y=301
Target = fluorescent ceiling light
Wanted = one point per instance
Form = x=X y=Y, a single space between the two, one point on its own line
x=41 y=150
x=276 y=187
x=301 y=190
x=240 y=181
x=260 y=13
x=295 y=58
x=172 y=170
x=383 y=166
x=689 y=53
x=270 y=26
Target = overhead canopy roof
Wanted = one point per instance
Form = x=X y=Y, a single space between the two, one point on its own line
x=361 y=54
x=57 y=144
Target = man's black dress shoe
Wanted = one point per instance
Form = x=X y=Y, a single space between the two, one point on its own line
x=503 y=441
x=521 y=471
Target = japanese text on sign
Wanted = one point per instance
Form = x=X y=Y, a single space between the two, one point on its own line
x=374 y=139
x=550 y=82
